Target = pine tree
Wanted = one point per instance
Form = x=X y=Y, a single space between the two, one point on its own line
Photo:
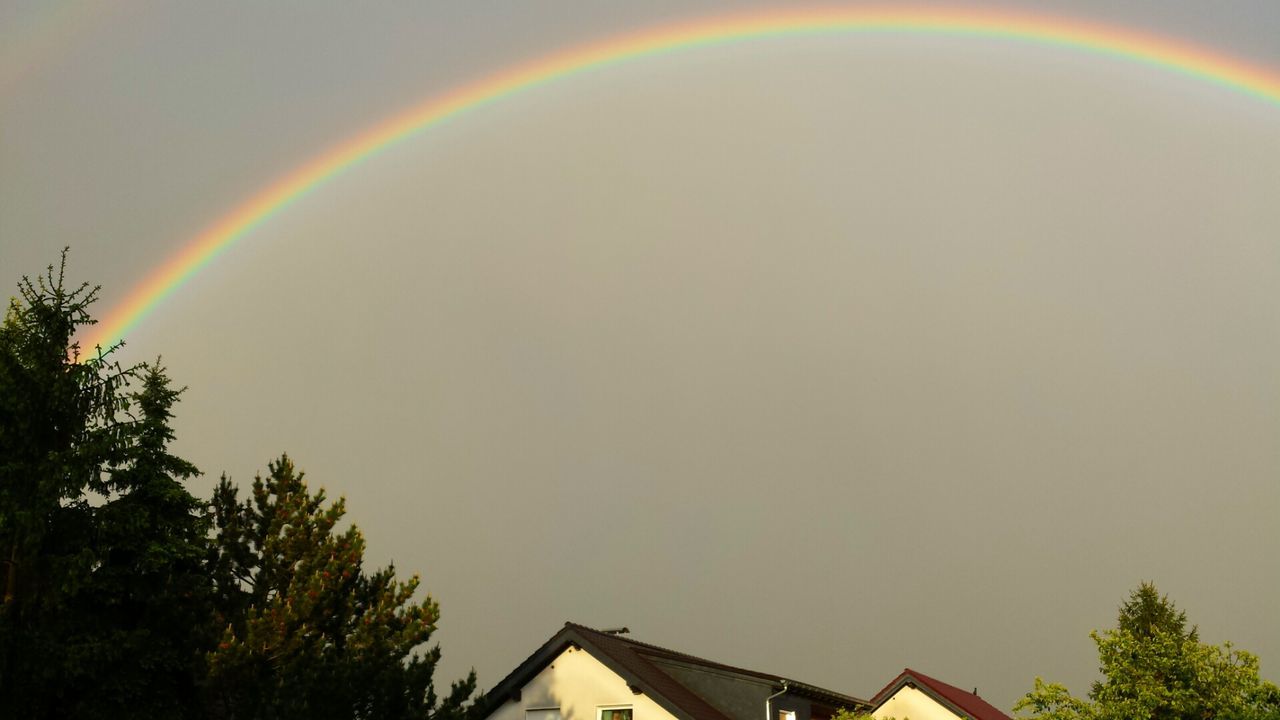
x=125 y=596
x=60 y=426
x=99 y=538
x=146 y=605
x=307 y=633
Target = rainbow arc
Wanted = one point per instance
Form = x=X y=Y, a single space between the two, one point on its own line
x=1123 y=44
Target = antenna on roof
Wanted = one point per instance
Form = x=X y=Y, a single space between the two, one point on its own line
x=616 y=631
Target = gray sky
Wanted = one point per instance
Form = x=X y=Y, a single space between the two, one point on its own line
x=822 y=356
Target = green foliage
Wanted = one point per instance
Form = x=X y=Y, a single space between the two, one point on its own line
x=1154 y=668
x=1052 y=701
x=126 y=597
x=147 y=602
x=847 y=714
x=1264 y=704
x=104 y=592
x=59 y=426
x=307 y=633
x=1147 y=614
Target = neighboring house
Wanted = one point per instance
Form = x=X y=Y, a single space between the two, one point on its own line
x=585 y=674
x=917 y=696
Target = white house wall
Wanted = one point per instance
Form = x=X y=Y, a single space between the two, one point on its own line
x=579 y=685
x=911 y=704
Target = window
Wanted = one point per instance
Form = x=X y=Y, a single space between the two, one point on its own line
x=616 y=713
x=786 y=715
x=542 y=714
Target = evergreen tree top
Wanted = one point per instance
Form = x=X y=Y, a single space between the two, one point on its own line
x=1148 y=613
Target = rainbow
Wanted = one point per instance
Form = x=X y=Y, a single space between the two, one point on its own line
x=1114 y=42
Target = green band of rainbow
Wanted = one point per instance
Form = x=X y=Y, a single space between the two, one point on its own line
x=1109 y=41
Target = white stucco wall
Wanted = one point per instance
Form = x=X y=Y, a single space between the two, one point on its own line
x=911 y=704
x=578 y=684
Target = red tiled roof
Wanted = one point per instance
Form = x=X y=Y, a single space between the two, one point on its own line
x=964 y=701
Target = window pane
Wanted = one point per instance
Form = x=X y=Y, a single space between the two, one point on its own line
x=616 y=714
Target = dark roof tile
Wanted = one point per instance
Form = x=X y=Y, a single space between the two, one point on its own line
x=640 y=664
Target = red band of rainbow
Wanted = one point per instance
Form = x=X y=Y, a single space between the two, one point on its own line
x=1115 y=42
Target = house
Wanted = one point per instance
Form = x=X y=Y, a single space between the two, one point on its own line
x=586 y=674
x=917 y=696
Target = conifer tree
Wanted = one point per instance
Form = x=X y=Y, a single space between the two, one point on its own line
x=60 y=426
x=306 y=632
x=1148 y=613
x=147 y=604
x=101 y=544
x=123 y=596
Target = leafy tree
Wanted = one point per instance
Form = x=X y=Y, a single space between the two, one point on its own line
x=847 y=714
x=308 y=634
x=1154 y=668
x=102 y=584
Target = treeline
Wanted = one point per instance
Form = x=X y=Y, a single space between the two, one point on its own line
x=125 y=596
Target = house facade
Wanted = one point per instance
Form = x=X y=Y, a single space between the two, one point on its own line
x=587 y=674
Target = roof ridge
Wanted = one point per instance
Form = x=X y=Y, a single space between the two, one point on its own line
x=970 y=702
x=677 y=653
x=641 y=646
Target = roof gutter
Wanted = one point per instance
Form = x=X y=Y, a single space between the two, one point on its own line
x=768 y=715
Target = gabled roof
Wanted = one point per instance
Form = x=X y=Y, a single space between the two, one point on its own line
x=652 y=670
x=961 y=702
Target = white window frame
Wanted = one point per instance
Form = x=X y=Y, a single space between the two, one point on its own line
x=601 y=708
x=556 y=710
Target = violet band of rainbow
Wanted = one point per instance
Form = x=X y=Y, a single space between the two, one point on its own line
x=1124 y=44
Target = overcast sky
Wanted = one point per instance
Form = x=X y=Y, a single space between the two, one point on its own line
x=823 y=356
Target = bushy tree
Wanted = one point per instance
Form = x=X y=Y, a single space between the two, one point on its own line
x=307 y=633
x=103 y=588
x=1154 y=668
